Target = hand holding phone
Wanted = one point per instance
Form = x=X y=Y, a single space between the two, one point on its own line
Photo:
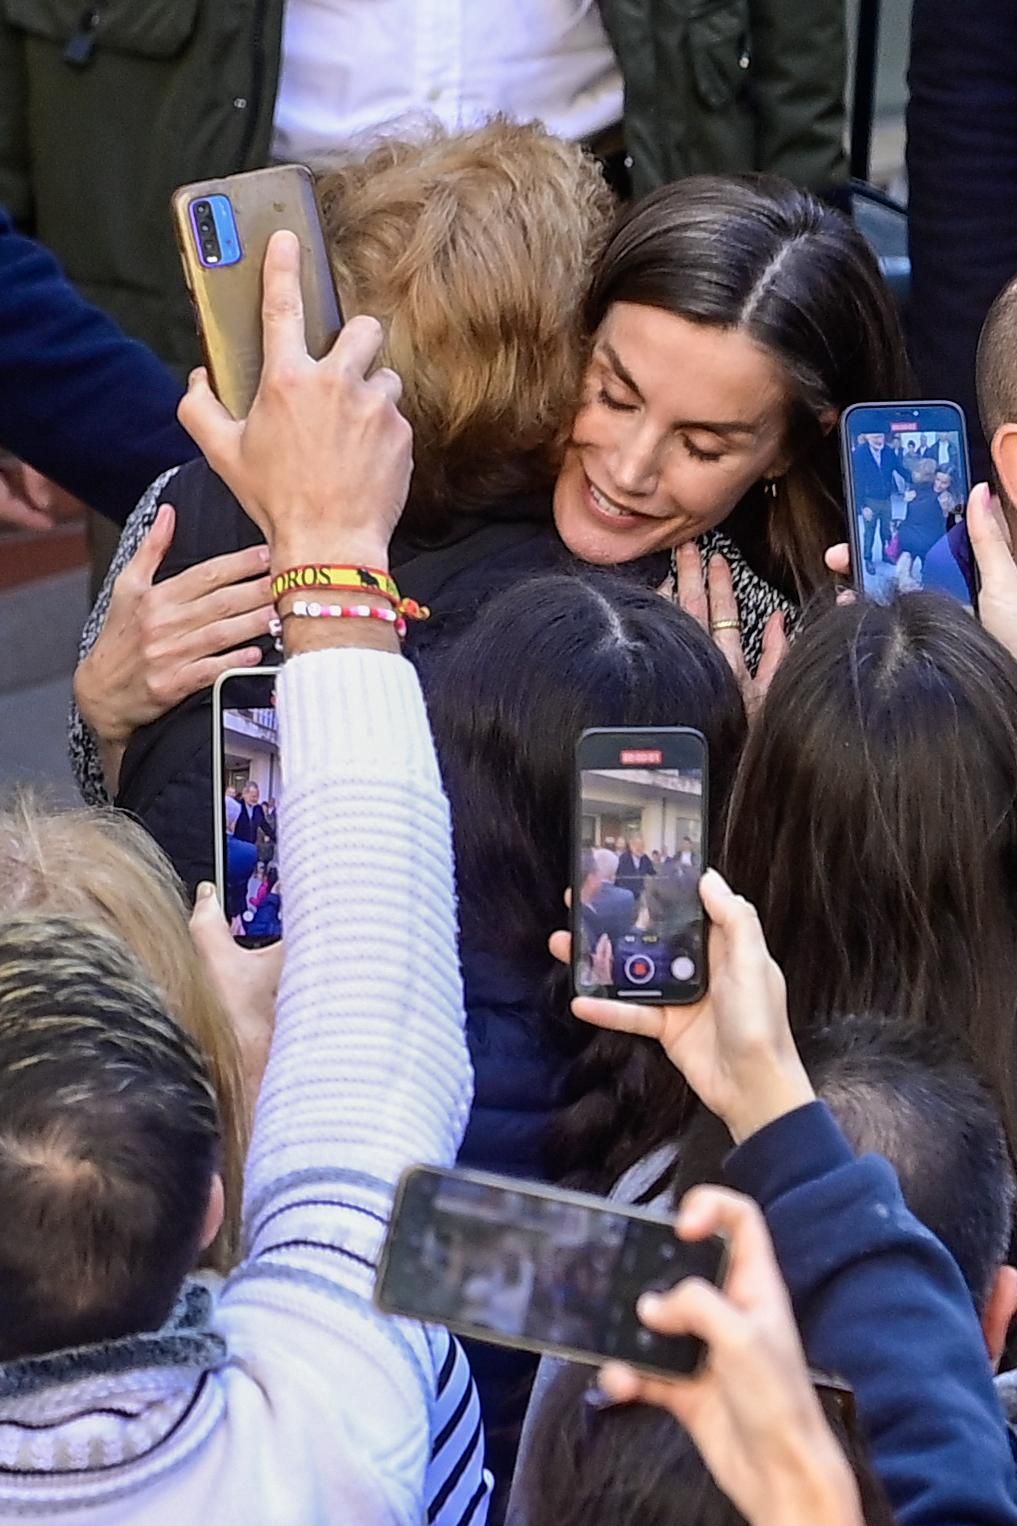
x=639 y=847
x=734 y=1047
x=907 y=479
x=223 y=229
x=538 y=1268
x=752 y=1410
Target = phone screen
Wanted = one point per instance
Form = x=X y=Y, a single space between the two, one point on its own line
x=638 y=923
x=908 y=476
x=537 y=1267
x=249 y=777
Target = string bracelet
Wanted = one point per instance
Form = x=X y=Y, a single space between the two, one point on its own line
x=311 y=609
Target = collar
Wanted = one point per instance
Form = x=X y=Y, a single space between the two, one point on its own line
x=115 y=1399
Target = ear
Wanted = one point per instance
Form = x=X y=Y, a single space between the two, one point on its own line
x=998 y=1312
x=1004 y=459
x=828 y=419
x=215 y=1212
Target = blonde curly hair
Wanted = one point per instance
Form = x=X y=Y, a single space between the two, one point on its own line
x=474 y=249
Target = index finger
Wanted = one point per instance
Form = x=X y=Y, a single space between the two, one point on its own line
x=691 y=584
x=838 y=558
x=282 y=303
x=219 y=572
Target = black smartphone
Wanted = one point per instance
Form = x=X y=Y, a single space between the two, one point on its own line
x=640 y=846
x=907 y=477
x=247 y=781
x=538 y=1267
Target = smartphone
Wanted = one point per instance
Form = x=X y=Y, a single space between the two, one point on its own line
x=247 y=780
x=907 y=477
x=222 y=229
x=638 y=925
x=538 y=1268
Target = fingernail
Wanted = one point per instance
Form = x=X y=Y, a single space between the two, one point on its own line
x=596 y=1398
x=648 y=1305
x=204 y=891
x=264 y=555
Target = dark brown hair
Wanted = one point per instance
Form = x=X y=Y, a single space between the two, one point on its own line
x=633 y=1465
x=873 y=825
x=755 y=253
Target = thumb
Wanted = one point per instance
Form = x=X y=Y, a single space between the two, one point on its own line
x=989 y=537
x=209 y=928
x=147 y=560
x=210 y=425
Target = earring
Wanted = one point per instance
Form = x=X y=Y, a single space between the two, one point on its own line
x=770 y=488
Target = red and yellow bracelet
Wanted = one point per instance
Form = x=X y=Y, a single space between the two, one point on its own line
x=347 y=579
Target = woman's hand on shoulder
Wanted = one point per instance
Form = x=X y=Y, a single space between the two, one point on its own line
x=711 y=601
x=162 y=642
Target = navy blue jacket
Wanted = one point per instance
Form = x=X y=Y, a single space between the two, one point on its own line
x=873 y=484
x=79 y=401
x=882 y=1305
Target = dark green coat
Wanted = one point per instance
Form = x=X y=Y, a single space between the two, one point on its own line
x=107 y=105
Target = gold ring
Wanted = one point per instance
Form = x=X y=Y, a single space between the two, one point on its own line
x=725 y=625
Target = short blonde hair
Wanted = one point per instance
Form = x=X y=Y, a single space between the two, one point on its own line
x=101 y=867
x=474 y=250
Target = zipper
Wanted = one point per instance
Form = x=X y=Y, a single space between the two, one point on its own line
x=81 y=44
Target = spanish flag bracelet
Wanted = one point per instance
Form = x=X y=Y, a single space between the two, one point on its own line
x=347 y=580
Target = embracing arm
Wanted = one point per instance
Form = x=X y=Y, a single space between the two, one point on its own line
x=88 y=407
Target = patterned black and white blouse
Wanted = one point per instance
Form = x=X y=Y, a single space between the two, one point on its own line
x=757 y=601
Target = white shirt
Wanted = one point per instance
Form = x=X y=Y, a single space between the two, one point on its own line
x=352 y=65
x=944 y=452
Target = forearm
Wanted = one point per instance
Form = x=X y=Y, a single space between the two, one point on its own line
x=368 y=1069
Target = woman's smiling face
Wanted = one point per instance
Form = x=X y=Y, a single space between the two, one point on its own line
x=678 y=421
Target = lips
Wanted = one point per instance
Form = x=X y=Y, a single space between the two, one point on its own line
x=608 y=511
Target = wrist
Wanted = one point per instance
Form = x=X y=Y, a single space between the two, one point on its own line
x=303 y=633
x=327 y=551
x=813 y=1483
x=766 y=1095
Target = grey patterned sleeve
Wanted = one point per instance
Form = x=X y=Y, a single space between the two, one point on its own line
x=82 y=745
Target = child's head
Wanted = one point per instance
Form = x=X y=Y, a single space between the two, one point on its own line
x=997 y=392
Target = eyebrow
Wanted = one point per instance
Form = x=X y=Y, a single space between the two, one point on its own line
x=713 y=426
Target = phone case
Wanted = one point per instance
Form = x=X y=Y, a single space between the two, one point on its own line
x=227 y=298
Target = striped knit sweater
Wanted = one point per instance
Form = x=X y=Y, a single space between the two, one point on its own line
x=300 y=1403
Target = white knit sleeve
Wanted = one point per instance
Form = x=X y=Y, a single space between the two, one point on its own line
x=368 y=1071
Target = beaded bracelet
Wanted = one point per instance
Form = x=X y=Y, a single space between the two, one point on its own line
x=310 y=609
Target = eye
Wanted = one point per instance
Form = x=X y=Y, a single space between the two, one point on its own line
x=603 y=396
x=701 y=455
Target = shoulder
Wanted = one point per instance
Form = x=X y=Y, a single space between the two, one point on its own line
x=210 y=521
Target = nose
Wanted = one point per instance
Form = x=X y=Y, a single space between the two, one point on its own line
x=635 y=461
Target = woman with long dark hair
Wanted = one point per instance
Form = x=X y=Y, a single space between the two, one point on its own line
x=873 y=825
x=731 y=320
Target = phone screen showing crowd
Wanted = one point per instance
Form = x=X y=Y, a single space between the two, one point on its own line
x=252 y=788
x=909 y=484
x=638 y=918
